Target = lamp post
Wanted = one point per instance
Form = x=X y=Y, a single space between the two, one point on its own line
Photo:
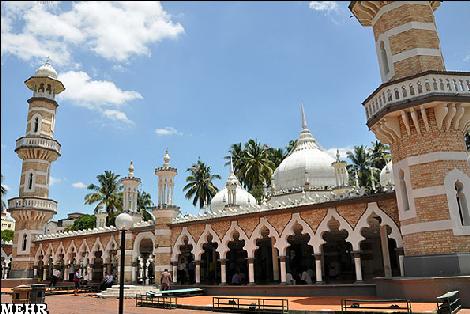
x=123 y=223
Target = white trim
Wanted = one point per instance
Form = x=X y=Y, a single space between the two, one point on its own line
x=437 y=225
x=37 y=160
x=163 y=232
x=411 y=212
x=163 y=250
x=43 y=109
x=23 y=259
x=164 y=213
x=408 y=26
x=429 y=191
x=392 y=6
x=141 y=236
x=415 y=52
x=432 y=157
x=163 y=267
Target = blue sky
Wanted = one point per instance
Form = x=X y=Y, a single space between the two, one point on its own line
x=193 y=78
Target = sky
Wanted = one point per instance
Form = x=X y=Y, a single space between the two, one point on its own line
x=192 y=78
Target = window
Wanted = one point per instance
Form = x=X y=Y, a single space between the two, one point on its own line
x=25 y=240
x=384 y=59
x=36 y=125
x=404 y=191
x=462 y=203
x=30 y=181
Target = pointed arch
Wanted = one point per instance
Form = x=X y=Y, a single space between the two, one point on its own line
x=70 y=249
x=82 y=249
x=111 y=245
x=457 y=213
x=49 y=253
x=138 y=239
x=179 y=242
x=203 y=239
x=97 y=246
x=343 y=224
x=60 y=250
x=223 y=248
x=39 y=252
x=289 y=230
x=256 y=234
x=373 y=208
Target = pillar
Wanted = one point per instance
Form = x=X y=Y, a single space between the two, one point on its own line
x=251 y=271
x=175 y=272
x=282 y=260
x=66 y=272
x=44 y=273
x=357 y=265
x=134 y=272
x=89 y=272
x=318 y=269
x=198 y=271
x=401 y=257
x=223 y=271
x=275 y=258
x=385 y=251
x=35 y=271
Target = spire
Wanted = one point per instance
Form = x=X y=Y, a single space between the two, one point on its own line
x=166 y=159
x=131 y=170
x=337 y=155
x=304 y=120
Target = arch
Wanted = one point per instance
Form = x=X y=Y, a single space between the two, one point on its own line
x=373 y=208
x=39 y=252
x=111 y=245
x=97 y=246
x=179 y=242
x=263 y=222
x=352 y=238
x=289 y=230
x=49 y=253
x=82 y=249
x=70 y=249
x=60 y=250
x=223 y=248
x=454 y=212
x=203 y=239
x=36 y=123
x=138 y=239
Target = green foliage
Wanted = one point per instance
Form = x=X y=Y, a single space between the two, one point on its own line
x=7 y=235
x=144 y=202
x=4 y=192
x=83 y=223
x=199 y=185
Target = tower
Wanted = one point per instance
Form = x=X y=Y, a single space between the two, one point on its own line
x=130 y=185
x=232 y=185
x=164 y=214
x=341 y=174
x=32 y=209
x=422 y=111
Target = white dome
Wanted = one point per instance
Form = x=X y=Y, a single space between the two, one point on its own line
x=306 y=163
x=243 y=198
x=46 y=70
x=386 y=175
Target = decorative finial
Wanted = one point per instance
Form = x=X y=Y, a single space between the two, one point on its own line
x=304 y=120
x=131 y=170
x=166 y=159
x=337 y=155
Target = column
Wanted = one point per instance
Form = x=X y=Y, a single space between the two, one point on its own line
x=251 y=271
x=134 y=272
x=318 y=269
x=275 y=258
x=223 y=271
x=35 y=271
x=357 y=265
x=198 y=272
x=105 y=271
x=66 y=272
x=385 y=251
x=89 y=272
x=44 y=273
x=401 y=256
x=282 y=260
x=175 y=272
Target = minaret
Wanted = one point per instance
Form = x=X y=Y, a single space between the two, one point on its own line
x=130 y=185
x=422 y=111
x=164 y=214
x=231 y=185
x=32 y=209
x=341 y=174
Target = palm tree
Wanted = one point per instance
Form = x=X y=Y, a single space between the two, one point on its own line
x=276 y=155
x=236 y=152
x=107 y=194
x=257 y=168
x=379 y=154
x=144 y=201
x=290 y=147
x=4 y=192
x=359 y=158
x=200 y=186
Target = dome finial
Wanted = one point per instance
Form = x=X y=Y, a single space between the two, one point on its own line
x=166 y=159
x=304 y=120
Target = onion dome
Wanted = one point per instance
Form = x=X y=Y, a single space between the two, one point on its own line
x=46 y=70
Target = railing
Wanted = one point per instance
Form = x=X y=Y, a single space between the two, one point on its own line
x=20 y=202
x=252 y=305
x=38 y=142
x=439 y=83
x=44 y=94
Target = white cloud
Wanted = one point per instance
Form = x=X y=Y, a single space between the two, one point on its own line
x=342 y=152
x=6 y=187
x=53 y=180
x=167 y=131
x=117 y=115
x=79 y=185
x=113 y=30
x=323 y=6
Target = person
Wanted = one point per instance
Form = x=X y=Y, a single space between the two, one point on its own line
x=76 y=281
x=236 y=280
x=289 y=279
x=305 y=278
x=54 y=278
x=166 y=280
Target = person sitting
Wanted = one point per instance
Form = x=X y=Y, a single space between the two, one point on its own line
x=306 y=279
x=236 y=280
x=289 y=279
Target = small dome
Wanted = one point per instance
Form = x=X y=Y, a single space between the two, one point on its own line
x=386 y=175
x=166 y=159
x=131 y=169
x=243 y=198
x=46 y=70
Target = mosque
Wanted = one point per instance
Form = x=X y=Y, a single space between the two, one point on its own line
x=348 y=242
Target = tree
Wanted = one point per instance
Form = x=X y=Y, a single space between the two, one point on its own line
x=236 y=152
x=276 y=155
x=4 y=192
x=7 y=235
x=106 y=194
x=379 y=155
x=359 y=158
x=144 y=201
x=200 y=186
x=290 y=147
x=83 y=223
